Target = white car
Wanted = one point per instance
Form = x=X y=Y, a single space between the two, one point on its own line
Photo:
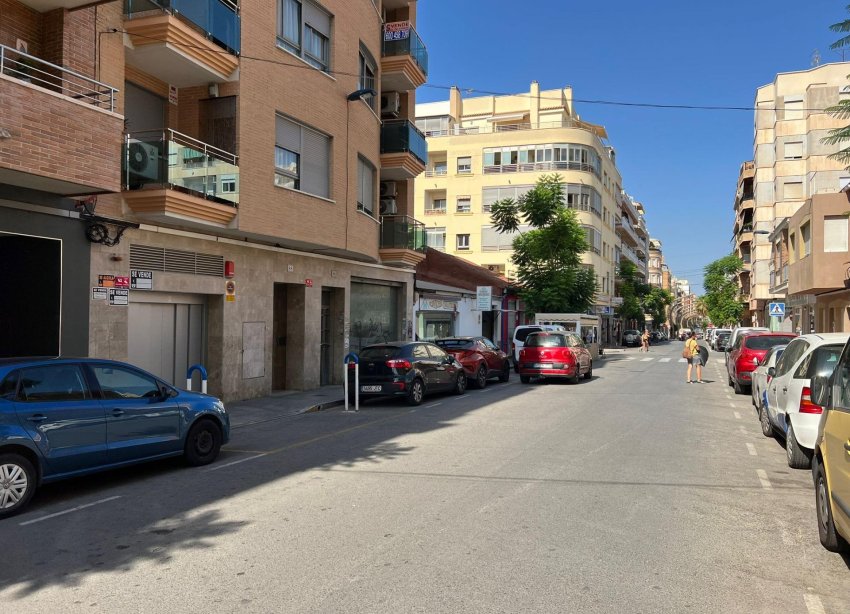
x=761 y=378
x=520 y=334
x=790 y=410
x=715 y=333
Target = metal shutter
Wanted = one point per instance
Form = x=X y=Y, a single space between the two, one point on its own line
x=315 y=163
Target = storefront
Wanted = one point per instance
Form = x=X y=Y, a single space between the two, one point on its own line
x=436 y=317
x=374 y=313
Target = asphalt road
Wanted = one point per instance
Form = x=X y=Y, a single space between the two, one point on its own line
x=632 y=492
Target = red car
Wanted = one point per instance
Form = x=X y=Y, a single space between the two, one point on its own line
x=480 y=357
x=554 y=354
x=747 y=353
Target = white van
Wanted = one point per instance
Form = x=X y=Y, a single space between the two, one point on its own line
x=521 y=332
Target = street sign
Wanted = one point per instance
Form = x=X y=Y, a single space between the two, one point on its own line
x=484 y=298
x=776 y=309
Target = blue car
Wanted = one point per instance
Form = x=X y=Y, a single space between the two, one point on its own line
x=67 y=417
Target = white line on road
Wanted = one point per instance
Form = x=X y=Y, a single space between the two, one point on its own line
x=73 y=509
x=645 y=359
x=236 y=462
x=813 y=604
x=630 y=358
x=743 y=430
x=765 y=483
x=668 y=359
x=732 y=405
x=737 y=415
x=434 y=404
x=752 y=449
x=683 y=360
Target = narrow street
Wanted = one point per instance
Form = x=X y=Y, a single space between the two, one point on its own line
x=633 y=492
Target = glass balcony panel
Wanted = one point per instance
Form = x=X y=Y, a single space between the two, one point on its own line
x=402 y=136
x=219 y=19
x=412 y=45
x=402 y=232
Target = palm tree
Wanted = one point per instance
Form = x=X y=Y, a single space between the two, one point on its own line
x=837 y=136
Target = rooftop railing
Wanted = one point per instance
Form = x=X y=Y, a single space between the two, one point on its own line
x=35 y=71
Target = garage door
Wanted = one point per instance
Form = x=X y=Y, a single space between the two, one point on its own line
x=167 y=334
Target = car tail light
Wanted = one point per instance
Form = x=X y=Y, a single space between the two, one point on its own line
x=806 y=405
x=567 y=356
x=399 y=363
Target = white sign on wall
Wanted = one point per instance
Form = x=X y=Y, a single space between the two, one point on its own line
x=436 y=304
x=484 y=298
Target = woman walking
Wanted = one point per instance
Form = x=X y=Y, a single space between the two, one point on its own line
x=693 y=356
x=644 y=340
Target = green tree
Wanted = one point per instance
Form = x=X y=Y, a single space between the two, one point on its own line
x=838 y=136
x=632 y=291
x=721 y=298
x=655 y=303
x=548 y=257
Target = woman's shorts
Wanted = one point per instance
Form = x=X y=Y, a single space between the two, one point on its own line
x=696 y=360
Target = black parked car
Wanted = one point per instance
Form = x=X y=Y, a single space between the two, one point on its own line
x=722 y=341
x=408 y=369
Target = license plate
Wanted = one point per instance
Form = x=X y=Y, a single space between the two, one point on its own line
x=370 y=388
x=542 y=365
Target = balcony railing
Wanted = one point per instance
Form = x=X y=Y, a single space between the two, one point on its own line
x=530 y=167
x=745 y=228
x=436 y=172
x=402 y=232
x=219 y=19
x=175 y=161
x=401 y=39
x=33 y=70
x=402 y=136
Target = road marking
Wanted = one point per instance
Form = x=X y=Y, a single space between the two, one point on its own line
x=434 y=404
x=73 y=509
x=630 y=358
x=683 y=360
x=732 y=405
x=737 y=415
x=752 y=449
x=765 y=483
x=743 y=430
x=665 y=360
x=645 y=359
x=236 y=462
x=813 y=604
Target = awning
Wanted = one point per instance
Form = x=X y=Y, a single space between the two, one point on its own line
x=502 y=117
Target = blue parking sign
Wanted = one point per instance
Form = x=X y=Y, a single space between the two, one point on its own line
x=776 y=309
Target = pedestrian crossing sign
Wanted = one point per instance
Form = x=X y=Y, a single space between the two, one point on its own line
x=777 y=309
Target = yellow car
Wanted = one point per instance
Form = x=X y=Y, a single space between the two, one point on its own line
x=831 y=461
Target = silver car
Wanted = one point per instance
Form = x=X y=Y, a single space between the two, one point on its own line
x=761 y=378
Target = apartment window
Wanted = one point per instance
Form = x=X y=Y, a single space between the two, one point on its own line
x=367 y=74
x=792 y=241
x=794 y=150
x=806 y=237
x=464 y=204
x=365 y=186
x=302 y=158
x=524 y=158
x=582 y=198
x=436 y=238
x=434 y=126
x=493 y=240
x=835 y=233
x=464 y=165
x=495 y=194
x=304 y=28
x=792 y=190
x=463 y=242
x=441 y=168
x=594 y=239
x=436 y=205
x=228 y=184
x=794 y=108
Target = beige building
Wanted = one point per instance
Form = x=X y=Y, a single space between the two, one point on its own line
x=742 y=232
x=233 y=171
x=486 y=148
x=791 y=165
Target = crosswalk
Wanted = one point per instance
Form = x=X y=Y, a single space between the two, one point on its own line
x=649 y=359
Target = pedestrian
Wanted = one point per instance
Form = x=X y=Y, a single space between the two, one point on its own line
x=644 y=340
x=692 y=354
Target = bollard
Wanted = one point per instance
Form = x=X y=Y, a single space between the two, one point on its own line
x=203 y=371
x=352 y=357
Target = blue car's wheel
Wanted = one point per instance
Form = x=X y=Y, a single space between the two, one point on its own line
x=203 y=443
x=17 y=483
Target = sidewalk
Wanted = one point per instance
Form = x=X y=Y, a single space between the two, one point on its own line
x=283 y=405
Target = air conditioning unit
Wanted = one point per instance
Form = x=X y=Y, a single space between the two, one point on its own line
x=390 y=104
x=388 y=189
x=388 y=206
x=142 y=160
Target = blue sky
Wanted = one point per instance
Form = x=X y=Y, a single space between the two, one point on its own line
x=682 y=164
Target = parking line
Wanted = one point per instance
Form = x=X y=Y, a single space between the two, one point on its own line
x=737 y=415
x=765 y=483
x=732 y=405
x=236 y=462
x=751 y=449
x=73 y=509
x=434 y=404
x=813 y=604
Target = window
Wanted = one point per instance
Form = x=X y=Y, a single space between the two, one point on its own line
x=122 y=383
x=420 y=351
x=841 y=383
x=835 y=233
x=302 y=158
x=790 y=356
x=53 y=383
x=794 y=108
x=441 y=167
x=463 y=242
x=464 y=165
x=524 y=158
x=437 y=205
x=304 y=29
x=365 y=186
x=493 y=240
x=434 y=126
x=794 y=150
x=594 y=239
x=367 y=74
x=436 y=238
x=228 y=184
x=464 y=204
x=792 y=252
x=9 y=387
x=806 y=236
x=493 y=195
x=793 y=190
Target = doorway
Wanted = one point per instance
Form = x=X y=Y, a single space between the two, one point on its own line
x=325 y=342
x=487 y=322
x=279 y=330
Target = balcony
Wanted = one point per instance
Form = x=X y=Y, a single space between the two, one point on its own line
x=745 y=233
x=403 y=150
x=626 y=232
x=183 y=42
x=60 y=133
x=42 y=6
x=402 y=241
x=404 y=58
x=170 y=177
x=628 y=207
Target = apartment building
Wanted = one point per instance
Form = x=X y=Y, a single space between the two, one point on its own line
x=198 y=182
x=742 y=232
x=790 y=165
x=483 y=149
x=656 y=260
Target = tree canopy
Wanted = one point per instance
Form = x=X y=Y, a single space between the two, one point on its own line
x=721 y=299
x=838 y=136
x=550 y=273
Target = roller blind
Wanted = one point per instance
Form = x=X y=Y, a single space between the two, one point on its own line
x=288 y=134
x=318 y=18
x=315 y=158
x=835 y=234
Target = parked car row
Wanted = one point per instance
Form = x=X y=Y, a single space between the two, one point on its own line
x=801 y=391
x=69 y=417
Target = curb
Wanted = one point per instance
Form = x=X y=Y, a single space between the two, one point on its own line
x=322 y=406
